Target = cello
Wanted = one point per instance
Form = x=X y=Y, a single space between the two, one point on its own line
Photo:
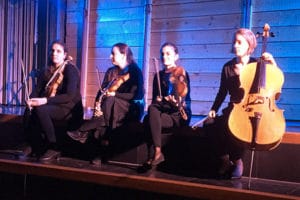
x=256 y=120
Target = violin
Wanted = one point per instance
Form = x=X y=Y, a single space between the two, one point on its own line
x=56 y=79
x=256 y=120
x=117 y=82
x=112 y=86
x=179 y=81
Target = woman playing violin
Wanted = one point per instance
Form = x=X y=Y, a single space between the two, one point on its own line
x=121 y=93
x=170 y=105
x=229 y=150
x=63 y=104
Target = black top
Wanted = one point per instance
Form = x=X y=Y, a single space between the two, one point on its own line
x=130 y=90
x=229 y=84
x=167 y=88
x=68 y=91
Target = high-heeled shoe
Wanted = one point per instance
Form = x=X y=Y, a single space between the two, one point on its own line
x=78 y=136
x=158 y=160
x=50 y=155
x=150 y=164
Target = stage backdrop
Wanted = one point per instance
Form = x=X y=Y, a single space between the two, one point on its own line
x=202 y=30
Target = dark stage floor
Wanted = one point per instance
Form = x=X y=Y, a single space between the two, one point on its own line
x=69 y=178
x=80 y=177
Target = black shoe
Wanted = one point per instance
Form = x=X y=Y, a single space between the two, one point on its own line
x=226 y=168
x=151 y=164
x=159 y=160
x=50 y=155
x=144 y=167
x=97 y=161
x=23 y=150
x=78 y=136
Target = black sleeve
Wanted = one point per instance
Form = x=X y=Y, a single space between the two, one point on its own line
x=222 y=92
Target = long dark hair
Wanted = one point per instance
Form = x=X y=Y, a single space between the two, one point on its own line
x=125 y=49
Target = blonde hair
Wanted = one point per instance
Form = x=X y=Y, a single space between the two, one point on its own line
x=249 y=36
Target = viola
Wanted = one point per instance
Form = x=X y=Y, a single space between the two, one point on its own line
x=111 y=87
x=256 y=120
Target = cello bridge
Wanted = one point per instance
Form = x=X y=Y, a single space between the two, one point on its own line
x=254 y=100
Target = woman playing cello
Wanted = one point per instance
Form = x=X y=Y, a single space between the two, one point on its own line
x=229 y=150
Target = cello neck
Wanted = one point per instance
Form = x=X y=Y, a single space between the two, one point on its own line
x=260 y=76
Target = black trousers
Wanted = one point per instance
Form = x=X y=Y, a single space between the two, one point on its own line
x=115 y=112
x=40 y=124
x=160 y=115
x=223 y=141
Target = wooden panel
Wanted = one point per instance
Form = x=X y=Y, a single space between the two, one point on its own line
x=107 y=40
x=192 y=37
x=270 y=5
x=291 y=81
x=223 y=50
x=202 y=29
x=196 y=23
x=170 y=2
x=109 y=4
x=104 y=52
x=276 y=18
x=75 y=16
x=74 y=5
x=117 y=27
x=117 y=14
x=191 y=9
x=219 y=35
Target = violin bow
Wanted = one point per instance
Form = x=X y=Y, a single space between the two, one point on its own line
x=199 y=123
x=155 y=62
x=98 y=78
x=25 y=80
x=59 y=69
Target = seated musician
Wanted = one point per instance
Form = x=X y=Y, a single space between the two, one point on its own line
x=170 y=107
x=56 y=97
x=229 y=150
x=118 y=100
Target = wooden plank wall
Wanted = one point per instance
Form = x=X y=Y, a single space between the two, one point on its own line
x=284 y=19
x=203 y=31
x=110 y=22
